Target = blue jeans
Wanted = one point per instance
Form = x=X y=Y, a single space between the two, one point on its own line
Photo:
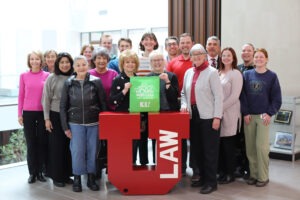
x=83 y=148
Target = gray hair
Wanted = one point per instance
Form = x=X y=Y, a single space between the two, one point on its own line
x=215 y=38
x=197 y=47
x=154 y=54
x=80 y=57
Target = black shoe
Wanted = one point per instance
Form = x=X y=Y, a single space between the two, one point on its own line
x=246 y=176
x=59 y=184
x=208 y=189
x=195 y=177
x=41 y=177
x=77 y=184
x=251 y=181
x=238 y=173
x=69 y=181
x=31 y=179
x=197 y=183
x=221 y=177
x=91 y=183
x=226 y=179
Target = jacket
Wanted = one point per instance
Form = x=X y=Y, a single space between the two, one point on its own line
x=81 y=103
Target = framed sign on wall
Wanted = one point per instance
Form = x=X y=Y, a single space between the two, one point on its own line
x=283 y=116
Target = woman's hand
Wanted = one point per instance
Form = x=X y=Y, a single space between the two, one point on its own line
x=48 y=125
x=216 y=124
x=68 y=133
x=247 y=119
x=20 y=120
x=164 y=76
x=126 y=87
x=184 y=109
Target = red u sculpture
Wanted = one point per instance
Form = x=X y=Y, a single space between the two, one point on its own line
x=120 y=129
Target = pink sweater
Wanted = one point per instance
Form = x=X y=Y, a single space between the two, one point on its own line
x=30 y=91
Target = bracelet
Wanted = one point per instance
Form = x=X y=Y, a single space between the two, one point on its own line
x=168 y=83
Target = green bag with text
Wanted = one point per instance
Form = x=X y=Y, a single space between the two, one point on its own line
x=144 y=94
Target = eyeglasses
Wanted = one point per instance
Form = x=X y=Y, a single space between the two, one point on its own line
x=172 y=44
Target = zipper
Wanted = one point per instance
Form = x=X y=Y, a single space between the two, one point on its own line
x=82 y=103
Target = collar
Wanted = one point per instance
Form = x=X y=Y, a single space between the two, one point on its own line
x=201 y=67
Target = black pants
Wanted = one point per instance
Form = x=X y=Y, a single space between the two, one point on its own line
x=227 y=155
x=194 y=131
x=141 y=145
x=59 y=165
x=242 y=163
x=36 y=140
x=205 y=146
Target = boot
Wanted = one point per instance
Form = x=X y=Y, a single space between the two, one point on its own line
x=91 y=183
x=77 y=183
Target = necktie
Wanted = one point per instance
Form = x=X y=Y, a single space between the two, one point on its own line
x=213 y=63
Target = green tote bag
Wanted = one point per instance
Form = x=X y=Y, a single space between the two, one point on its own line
x=144 y=94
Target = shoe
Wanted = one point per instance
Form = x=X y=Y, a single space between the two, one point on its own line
x=251 y=181
x=77 y=184
x=69 y=181
x=221 y=177
x=31 y=179
x=195 y=177
x=246 y=175
x=58 y=184
x=226 y=179
x=238 y=173
x=41 y=177
x=91 y=183
x=208 y=189
x=197 y=183
x=261 y=183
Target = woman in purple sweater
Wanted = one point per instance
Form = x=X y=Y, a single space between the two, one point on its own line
x=30 y=115
x=99 y=65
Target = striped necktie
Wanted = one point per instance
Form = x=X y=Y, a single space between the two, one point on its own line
x=213 y=63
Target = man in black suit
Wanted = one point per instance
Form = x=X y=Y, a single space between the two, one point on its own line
x=213 y=48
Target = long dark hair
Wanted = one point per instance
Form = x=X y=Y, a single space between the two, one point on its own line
x=56 y=64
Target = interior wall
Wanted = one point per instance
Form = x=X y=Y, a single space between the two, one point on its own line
x=271 y=24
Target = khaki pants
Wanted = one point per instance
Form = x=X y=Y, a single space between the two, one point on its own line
x=257 y=148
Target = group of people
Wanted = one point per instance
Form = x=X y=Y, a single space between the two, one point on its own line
x=230 y=108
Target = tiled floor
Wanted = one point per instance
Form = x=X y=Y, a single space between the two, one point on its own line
x=284 y=185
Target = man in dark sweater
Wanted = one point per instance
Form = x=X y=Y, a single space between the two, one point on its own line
x=242 y=168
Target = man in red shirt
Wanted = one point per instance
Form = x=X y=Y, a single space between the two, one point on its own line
x=182 y=62
x=178 y=66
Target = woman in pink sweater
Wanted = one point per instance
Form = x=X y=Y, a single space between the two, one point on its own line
x=30 y=115
x=232 y=81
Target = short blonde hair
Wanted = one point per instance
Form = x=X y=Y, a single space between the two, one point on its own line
x=39 y=54
x=128 y=53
